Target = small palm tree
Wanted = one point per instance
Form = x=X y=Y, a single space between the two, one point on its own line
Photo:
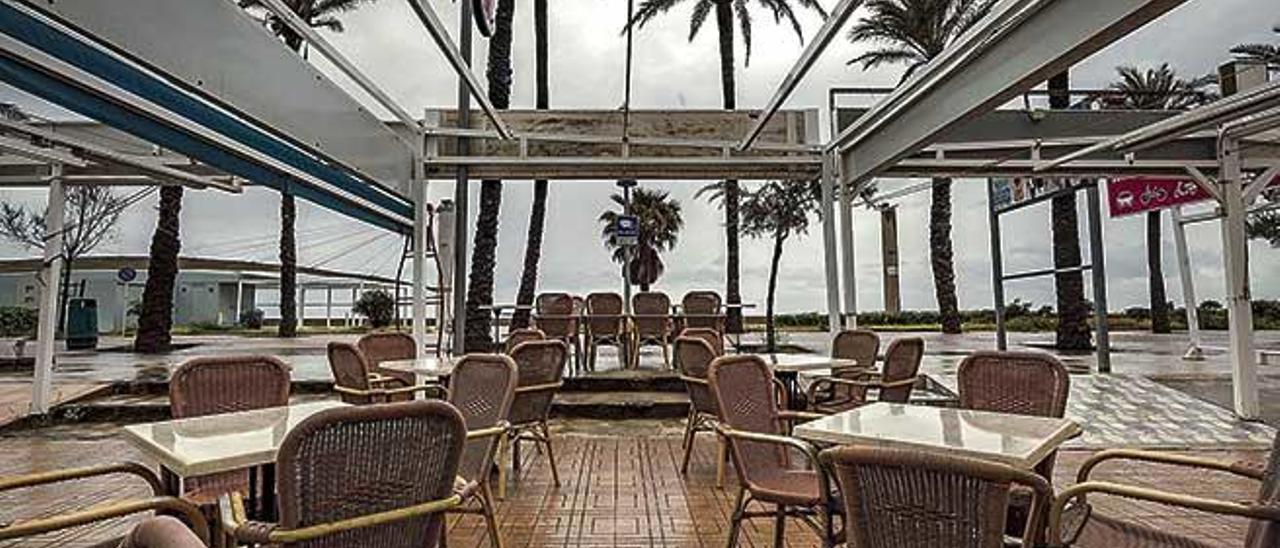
x=660 y=223
x=914 y=32
x=1266 y=53
x=725 y=10
x=778 y=210
x=1158 y=88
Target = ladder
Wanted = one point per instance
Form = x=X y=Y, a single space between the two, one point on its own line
x=435 y=294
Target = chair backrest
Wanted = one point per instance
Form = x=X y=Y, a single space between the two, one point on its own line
x=605 y=310
x=350 y=369
x=554 y=314
x=653 y=313
x=695 y=355
x=901 y=362
x=515 y=338
x=227 y=384
x=1022 y=383
x=746 y=400
x=481 y=388
x=702 y=309
x=897 y=497
x=540 y=368
x=1266 y=534
x=860 y=345
x=392 y=345
x=713 y=337
x=351 y=461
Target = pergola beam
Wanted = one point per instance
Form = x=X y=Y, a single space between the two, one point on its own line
x=440 y=34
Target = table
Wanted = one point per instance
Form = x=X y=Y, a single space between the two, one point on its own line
x=426 y=367
x=211 y=444
x=1017 y=440
x=927 y=391
x=786 y=367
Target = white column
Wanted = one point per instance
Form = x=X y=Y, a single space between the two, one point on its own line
x=849 y=274
x=50 y=274
x=302 y=306
x=830 y=259
x=239 y=298
x=1244 y=366
x=419 y=265
x=328 y=305
x=1194 y=352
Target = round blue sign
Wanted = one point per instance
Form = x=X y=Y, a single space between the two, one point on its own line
x=126 y=275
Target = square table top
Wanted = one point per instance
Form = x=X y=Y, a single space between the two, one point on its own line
x=794 y=363
x=1018 y=440
x=426 y=366
x=220 y=443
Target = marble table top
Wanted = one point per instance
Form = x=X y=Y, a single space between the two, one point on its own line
x=794 y=363
x=220 y=443
x=1017 y=440
x=426 y=366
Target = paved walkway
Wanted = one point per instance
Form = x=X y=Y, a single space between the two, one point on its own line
x=15 y=397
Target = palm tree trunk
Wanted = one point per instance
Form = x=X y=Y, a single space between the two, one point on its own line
x=155 y=319
x=288 y=267
x=1155 y=276
x=770 y=329
x=732 y=292
x=941 y=256
x=480 y=285
x=64 y=293
x=538 y=212
x=1073 y=312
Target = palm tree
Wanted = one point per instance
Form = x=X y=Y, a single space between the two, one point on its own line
x=1266 y=53
x=1073 y=310
x=1157 y=88
x=538 y=212
x=480 y=281
x=660 y=222
x=914 y=32
x=777 y=210
x=155 y=318
x=318 y=14
x=725 y=11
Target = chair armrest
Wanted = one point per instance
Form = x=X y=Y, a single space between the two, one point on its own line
x=783 y=394
x=57 y=476
x=822 y=384
x=496 y=430
x=440 y=391
x=798 y=444
x=1214 y=506
x=1237 y=468
x=797 y=416
x=694 y=380
x=103 y=512
x=231 y=508
x=540 y=387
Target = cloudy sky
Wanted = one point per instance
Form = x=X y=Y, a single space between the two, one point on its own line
x=385 y=40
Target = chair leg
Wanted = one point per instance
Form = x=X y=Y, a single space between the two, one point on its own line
x=551 y=456
x=490 y=520
x=688 y=439
x=735 y=520
x=666 y=354
x=722 y=457
x=779 y=526
x=503 y=448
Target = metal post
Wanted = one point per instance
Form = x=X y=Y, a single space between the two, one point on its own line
x=302 y=305
x=460 y=191
x=830 y=260
x=849 y=263
x=1244 y=367
x=239 y=298
x=51 y=271
x=626 y=185
x=1098 y=269
x=997 y=267
x=1194 y=352
x=420 y=237
x=889 y=256
x=328 y=306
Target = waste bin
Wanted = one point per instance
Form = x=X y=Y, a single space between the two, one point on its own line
x=82 y=324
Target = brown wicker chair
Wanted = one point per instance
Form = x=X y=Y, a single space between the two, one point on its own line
x=482 y=387
x=713 y=338
x=104 y=511
x=557 y=316
x=515 y=338
x=225 y=384
x=606 y=326
x=540 y=365
x=848 y=390
x=702 y=309
x=353 y=384
x=749 y=415
x=388 y=346
x=1021 y=383
x=1072 y=521
x=651 y=316
x=694 y=355
x=162 y=532
x=377 y=475
x=896 y=498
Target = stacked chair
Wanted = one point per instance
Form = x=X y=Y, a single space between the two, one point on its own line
x=519 y=336
x=354 y=382
x=651 y=318
x=606 y=326
x=848 y=389
x=388 y=346
x=557 y=316
x=702 y=309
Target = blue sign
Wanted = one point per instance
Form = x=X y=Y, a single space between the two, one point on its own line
x=626 y=230
x=126 y=275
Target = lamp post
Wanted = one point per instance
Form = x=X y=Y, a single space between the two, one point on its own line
x=626 y=233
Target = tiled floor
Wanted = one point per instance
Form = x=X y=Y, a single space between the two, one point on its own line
x=620 y=487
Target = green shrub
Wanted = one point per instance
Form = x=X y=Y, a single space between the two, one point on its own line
x=17 y=321
x=378 y=306
x=252 y=319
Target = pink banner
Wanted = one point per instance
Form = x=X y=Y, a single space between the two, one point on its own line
x=1135 y=195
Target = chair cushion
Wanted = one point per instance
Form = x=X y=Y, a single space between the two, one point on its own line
x=792 y=487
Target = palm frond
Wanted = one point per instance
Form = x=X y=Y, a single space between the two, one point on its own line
x=744 y=23
x=885 y=56
x=700 y=13
x=330 y=23
x=647 y=11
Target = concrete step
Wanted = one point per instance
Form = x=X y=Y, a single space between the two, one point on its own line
x=621 y=405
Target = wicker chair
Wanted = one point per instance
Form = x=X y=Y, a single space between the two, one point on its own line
x=378 y=475
x=389 y=346
x=842 y=392
x=895 y=497
x=713 y=337
x=162 y=532
x=749 y=416
x=651 y=315
x=540 y=365
x=1021 y=383
x=557 y=316
x=702 y=309
x=1071 y=518
x=694 y=355
x=606 y=325
x=225 y=384
x=104 y=511
x=482 y=387
x=353 y=384
x=515 y=338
